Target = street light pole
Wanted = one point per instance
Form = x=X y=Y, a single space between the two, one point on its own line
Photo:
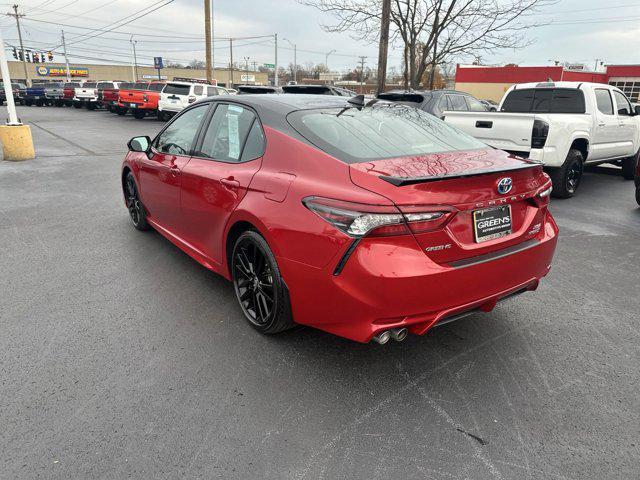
x=6 y=80
x=135 y=59
x=66 y=59
x=275 y=77
x=246 y=61
x=231 y=63
x=326 y=58
x=295 y=59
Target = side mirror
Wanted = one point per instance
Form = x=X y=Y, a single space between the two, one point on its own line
x=636 y=109
x=140 y=144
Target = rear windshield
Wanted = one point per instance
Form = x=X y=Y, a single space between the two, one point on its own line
x=257 y=90
x=105 y=85
x=89 y=85
x=402 y=97
x=126 y=86
x=156 y=87
x=544 y=100
x=177 y=89
x=72 y=85
x=382 y=131
x=141 y=86
x=315 y=89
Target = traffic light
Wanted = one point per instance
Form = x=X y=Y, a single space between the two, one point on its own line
x=15 y=53
x=20 y=55
x=35 y=57
x=50 y=56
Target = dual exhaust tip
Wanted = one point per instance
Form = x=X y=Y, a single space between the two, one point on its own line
x=397 y=334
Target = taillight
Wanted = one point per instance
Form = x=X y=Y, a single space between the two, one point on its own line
x=539 y=134
x=359 y=220
x=541 y=198
x=192 y=98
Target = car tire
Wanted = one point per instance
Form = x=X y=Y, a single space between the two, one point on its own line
x=91 y=106
x=258 y=284
x=566 y=179
x=629 y=167
x=27 y=103
x=638 y=195
x=121 y=111
x=77 y=105
x=137 y=212
x=139 y=114
x=162 y=116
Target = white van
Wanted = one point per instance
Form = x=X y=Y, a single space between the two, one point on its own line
x=176 y=96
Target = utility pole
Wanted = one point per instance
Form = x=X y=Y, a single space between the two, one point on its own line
x=275 y=77
x=207 y=39
x=213 y=44
x=595 y=69
x=18 y=16
x=362 y=59
x=135 y=60
x=246 y=63
x=230 y=63
x=384 y=45
x=66 y=59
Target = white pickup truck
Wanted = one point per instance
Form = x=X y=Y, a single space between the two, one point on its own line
x=564 y=125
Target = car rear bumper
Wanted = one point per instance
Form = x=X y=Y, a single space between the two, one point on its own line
x=391 y=284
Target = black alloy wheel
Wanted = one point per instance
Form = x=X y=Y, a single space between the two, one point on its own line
x=573 y=177
x=260 y=290
x=134 y=205
x=566 y=179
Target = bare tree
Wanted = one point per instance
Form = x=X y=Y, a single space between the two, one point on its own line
x=431 y=32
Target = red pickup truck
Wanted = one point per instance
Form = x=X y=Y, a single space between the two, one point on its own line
x=141 y=99
x=109 y=96
x=69 y=92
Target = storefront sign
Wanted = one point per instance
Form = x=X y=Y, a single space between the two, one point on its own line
x=62 y=71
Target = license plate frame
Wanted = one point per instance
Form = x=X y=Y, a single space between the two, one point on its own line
x=497 y=227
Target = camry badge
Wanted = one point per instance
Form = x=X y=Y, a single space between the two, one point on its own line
x=504 y=185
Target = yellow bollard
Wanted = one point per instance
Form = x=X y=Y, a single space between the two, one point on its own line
x=16 y=142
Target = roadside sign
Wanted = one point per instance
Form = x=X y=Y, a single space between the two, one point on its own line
x=247 y=78
x=157 y=63
x=269 y=65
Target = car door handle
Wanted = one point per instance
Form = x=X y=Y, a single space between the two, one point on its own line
x=230 y=183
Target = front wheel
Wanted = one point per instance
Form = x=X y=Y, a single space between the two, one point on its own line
x=134 y=205
x=259 y=287
x=566 y=179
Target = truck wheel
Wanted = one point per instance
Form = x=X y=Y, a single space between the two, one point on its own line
x=121 y=111
x=629 y=166
x=638 y=194
x=139 y=114
x=91 y=106
x=27 y=103
x=566 y=179
x=77 y=105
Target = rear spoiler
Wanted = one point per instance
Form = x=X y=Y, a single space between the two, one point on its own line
x=403 y=181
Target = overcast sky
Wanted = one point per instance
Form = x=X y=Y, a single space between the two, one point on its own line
x=581 y=31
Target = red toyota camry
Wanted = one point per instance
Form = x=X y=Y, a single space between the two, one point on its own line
x=366 y=220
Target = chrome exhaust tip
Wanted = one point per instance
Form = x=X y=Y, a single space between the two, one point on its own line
x=383 y=337
x=399 y=334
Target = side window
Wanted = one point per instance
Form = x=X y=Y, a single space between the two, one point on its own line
x=211 y=91
x=624 y=107
x=603 y=100
x=178 y=137
x=254 y=146
x=475 y=105
x=222 y=91
x=198 y=89
x=457 y=103
x=227 y=133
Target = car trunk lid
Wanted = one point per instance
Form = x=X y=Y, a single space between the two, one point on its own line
x=459 y=184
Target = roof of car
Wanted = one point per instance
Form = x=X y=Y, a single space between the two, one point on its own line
x=284 y=103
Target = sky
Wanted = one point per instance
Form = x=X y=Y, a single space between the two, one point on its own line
x=577 y=31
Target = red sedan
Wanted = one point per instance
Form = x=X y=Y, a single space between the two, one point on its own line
x=366 y=220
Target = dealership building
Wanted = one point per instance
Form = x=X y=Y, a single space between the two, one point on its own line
x=126 y=73
x=492 y=82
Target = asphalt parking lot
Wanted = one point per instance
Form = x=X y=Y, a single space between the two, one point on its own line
x=124 y=358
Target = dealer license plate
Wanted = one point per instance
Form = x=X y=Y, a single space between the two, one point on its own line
x=133 y=105
x=492 y=223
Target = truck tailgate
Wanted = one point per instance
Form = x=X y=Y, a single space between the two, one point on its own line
x=506 y=131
